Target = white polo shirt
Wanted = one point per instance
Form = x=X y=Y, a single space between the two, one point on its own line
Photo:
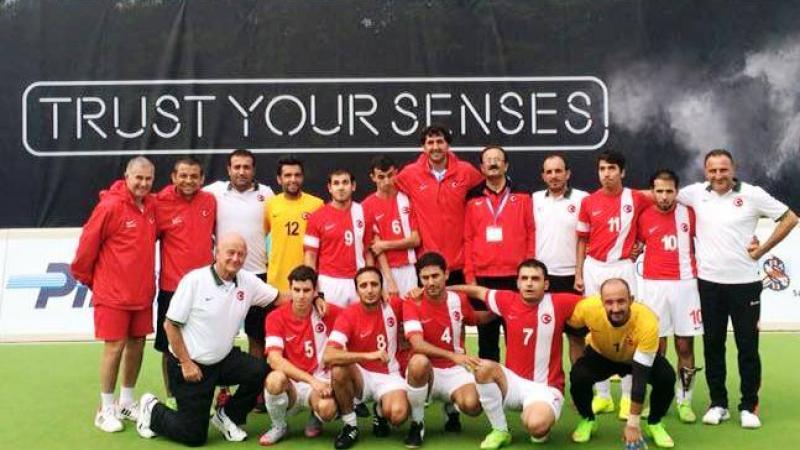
x=211 y=310
x=725 y=225
x=555 y=220
x=243 y=213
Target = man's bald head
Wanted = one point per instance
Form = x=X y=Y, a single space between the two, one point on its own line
x=617 y=300
x=230 y=255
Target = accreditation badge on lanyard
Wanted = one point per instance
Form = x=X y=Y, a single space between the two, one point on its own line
x=494 y=232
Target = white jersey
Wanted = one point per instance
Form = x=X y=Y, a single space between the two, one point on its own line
x=556 y=219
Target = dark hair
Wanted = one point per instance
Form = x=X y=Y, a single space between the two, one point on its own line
x=435 y=129
x=612 y=157
x=241 y=152
x=189 y=161
x=622 y=280
x=559 y=155
x=366 y=269
x=303 y=273
x=664 y=174
x=533 y=263
x=718 y=152
x=289 y=160
x=382 y=163
x=492 y=146
x=341 y=172
x=430 y=259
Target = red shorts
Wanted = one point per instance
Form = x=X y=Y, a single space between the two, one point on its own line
x=113 y=324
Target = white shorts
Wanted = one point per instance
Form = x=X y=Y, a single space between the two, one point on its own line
x=405 y=277
x=376 y=384
x=595 y=273
x=303 y=391
x=677 y=305
x=339 y=291
x=446 y=381
x=522 y=392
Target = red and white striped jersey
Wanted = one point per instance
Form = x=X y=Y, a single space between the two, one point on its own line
x=300 y=339
x=669 y=243
x=340 y=238
x=394 y=220
x=441 y=323
x=533 y=333
x=609 y=221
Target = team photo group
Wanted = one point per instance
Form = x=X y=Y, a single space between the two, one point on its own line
x=358 y=309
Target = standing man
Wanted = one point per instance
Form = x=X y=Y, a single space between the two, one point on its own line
x=669 y=285
x=555 y=212
x=285 y=219
x=498 y=235
x=622 y=340
x=437 y=184
x=240 y=209
x=116 y=260
x=185 y=217
x=606 y=237
x=362 y=350
x=397 y=232
x=202 y=322
x=532 y=380
x=337 y=240
x=727 y=214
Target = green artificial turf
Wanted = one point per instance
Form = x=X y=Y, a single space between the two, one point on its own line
x=49 y=394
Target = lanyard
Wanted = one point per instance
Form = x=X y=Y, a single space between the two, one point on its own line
x=494 y=214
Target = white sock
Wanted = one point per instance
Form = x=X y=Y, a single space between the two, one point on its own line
x=625 y=385
x=682 y=396
x=276 y=407
x=603 y=389
x=350 y=419
x=126 y=396
x=416 y=398
x=492 y=402
x=107 y=399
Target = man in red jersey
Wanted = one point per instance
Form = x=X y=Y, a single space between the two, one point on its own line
x=397 y=234
x=296 y=337
x=669 y=285
x=437 y=184
x=185 y=217
x=116 y=260
x=533 y=377
x=363 y=352
x=606 y=238
x=337 y=240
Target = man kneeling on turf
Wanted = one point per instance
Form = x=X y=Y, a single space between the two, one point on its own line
x=622 y=340
x=295 y=339
x=363 y=352
x=434 y=325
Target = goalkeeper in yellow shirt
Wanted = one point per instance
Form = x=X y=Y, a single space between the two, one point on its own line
x=622 y=339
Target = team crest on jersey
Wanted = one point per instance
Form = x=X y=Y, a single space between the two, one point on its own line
x=390 y=322
x=454 y=184
x=629 y=341
x=546 y=318
x=359 y=224
x=260 y=197
x=205 y=213
x=627 y=208
x=513 y=198
x=406 y=210
x=320 y=328
x=738 y=202
x=457 y=316
x=240 y=295
x=571 y=209
x=305 y=215
x=685 y=227
x=775 y=276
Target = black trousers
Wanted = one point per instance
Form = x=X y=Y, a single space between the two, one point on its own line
x=565 y=284
x=189 y=424
x=593 y=367
x=742 y=303
x=489 y=333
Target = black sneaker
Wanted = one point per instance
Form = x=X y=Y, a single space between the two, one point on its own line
x=416 y=434
x=453 y=422
x=380 y=426
x=346 y=438
x=361 y=410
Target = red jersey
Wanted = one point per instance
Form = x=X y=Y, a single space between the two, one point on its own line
x=185 y=230
x=533 y=333
x=340 y=238
x=394 y=220
x=439 y=206
x=669 y=243
x=359 y=329
x=498 y=232
x=609 y=221
x=300 y=339
x=116 y=252
x=441 y=323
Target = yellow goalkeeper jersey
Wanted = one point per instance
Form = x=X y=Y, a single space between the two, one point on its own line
x=285 y=220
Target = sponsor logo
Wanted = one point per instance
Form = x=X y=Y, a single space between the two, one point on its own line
x=379 y=216
x=406 y=210
x=546 y=318
x=596 y=213
x=651 y=230
x=328 y=227
x=738 y=202
x=422 y=187
x=363 y=335
x=56 y=282
x=513 y=198
x=478 y=202
x=208 y=299
x=290 y=338
x=177 y=220
x=130 y=223
x=775 y=277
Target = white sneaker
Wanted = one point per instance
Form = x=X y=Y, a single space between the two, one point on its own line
x=715 y=415
x=225 y=425
x=106 y=419
x=274 y=435
x=145 y=415
x=749 y=420
x=128 y=412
